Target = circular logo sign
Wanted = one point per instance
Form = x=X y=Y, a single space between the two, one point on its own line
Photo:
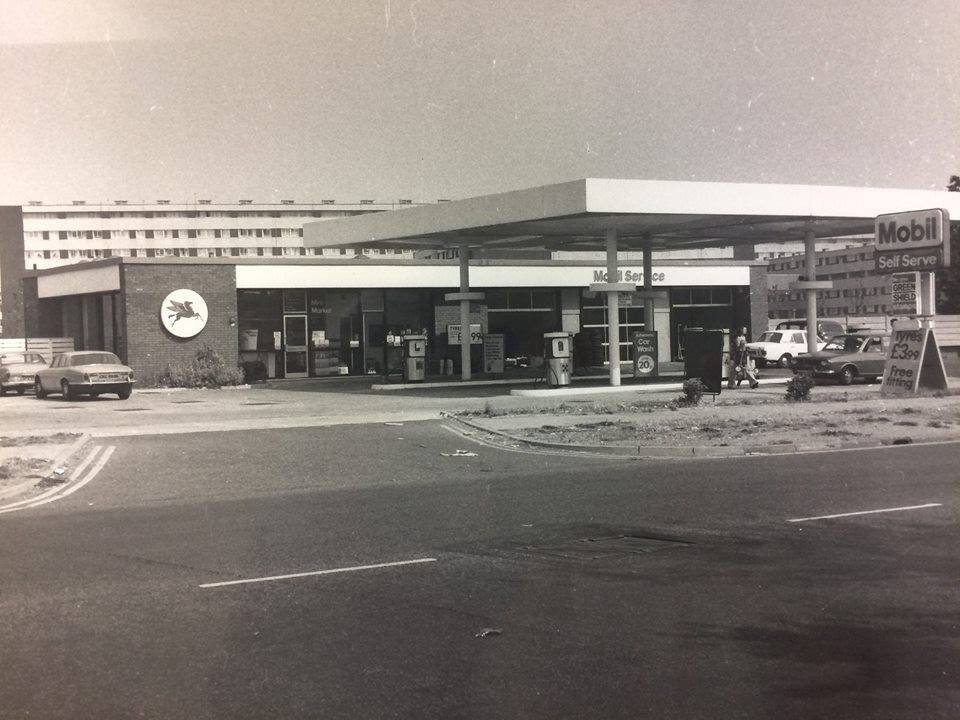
x=183 y=313
x=645 y=364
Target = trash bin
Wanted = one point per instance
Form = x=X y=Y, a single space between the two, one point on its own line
x=558 y=358
x=703 y=357
x=414 y=358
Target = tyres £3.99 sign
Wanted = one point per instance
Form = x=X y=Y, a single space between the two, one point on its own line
x=913 y=363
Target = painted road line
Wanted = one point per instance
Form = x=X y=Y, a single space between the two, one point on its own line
x=866 y=512
x=318 y=572
x=90 y=475
x=57 y=488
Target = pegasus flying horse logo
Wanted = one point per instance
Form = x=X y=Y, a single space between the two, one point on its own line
x=182 y=310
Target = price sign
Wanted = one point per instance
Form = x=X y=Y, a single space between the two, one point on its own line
x=913 y=363
x=454 y=334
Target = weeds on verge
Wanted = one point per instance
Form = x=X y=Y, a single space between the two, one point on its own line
x=798 y=388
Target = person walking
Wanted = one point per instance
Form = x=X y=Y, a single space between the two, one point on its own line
x=741 y=360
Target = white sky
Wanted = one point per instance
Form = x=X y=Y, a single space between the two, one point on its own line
x=349 y=99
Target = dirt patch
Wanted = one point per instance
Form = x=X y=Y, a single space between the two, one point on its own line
x=23 y=440
x=17 y=469
x=840 y=421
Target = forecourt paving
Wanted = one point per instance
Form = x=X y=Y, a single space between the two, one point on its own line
x=109 y=611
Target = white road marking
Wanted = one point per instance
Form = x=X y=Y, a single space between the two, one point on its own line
x=866 y=512
x=57 y=488
x=318 y=572
x=90 y=475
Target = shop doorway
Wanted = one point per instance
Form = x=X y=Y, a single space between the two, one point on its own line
x=295 y=346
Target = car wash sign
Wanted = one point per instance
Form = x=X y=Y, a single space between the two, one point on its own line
x=916 y=241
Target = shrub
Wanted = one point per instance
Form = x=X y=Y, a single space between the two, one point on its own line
x=207 y=370
x=254 y=371
x=798 y=388
x=693 y=390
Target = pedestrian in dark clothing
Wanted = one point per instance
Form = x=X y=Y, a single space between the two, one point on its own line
x=741 y=360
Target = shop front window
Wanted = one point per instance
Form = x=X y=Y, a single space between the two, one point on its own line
x=294 y=301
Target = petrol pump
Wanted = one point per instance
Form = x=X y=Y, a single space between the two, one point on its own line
x=414 y=358
x=558 y=358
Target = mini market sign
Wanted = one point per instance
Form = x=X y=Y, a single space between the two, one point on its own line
x=918 y=240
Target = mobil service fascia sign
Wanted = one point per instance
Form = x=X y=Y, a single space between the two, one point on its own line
x=915 y=241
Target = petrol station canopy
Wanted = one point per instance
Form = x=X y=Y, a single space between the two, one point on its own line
x=616 y=215
x=673 y=215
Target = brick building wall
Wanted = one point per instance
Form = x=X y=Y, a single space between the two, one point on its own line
x=147 y=346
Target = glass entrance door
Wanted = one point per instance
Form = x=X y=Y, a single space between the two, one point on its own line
x=295 y=345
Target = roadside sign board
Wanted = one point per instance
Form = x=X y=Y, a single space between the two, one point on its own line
x=644 y=353
x=493 y=353
x=913 y=362
x=912 y=241
x=905 y=294
x=454 y=334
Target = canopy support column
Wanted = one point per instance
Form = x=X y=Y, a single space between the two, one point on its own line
x=464 y=297
x=464 y=312
x=613 y=309
x=648 y=283
x=810 y=268
x=810 y=285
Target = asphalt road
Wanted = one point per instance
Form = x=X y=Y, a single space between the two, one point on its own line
x=613 y=588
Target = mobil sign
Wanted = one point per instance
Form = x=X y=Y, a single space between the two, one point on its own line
x=913 y=241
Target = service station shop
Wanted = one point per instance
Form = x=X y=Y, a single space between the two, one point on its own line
x=315 y=318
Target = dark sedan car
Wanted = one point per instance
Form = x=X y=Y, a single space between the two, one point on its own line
x=845 y=358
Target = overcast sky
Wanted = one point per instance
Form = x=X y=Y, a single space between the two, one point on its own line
x=350 y=99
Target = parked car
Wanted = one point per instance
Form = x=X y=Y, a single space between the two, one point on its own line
x=17 y=370
x=84 y=373
x=778 y=347
x=846 y=357
x=826 y=329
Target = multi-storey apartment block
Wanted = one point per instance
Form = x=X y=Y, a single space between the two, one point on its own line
x=857 y=288
x=62 y=234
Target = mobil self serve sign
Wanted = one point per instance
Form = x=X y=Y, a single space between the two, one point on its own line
x=911 y=241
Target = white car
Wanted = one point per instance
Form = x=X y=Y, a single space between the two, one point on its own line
x=84 y=373
x=778 y=347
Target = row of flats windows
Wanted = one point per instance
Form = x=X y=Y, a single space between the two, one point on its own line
x=828 y=294
x=842 y=311
x=172 y=234
x=797 y=262
x=148 y=214
x=96 y=254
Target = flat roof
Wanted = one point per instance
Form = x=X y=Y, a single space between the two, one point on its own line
x=279 y=273
x=676 y=215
